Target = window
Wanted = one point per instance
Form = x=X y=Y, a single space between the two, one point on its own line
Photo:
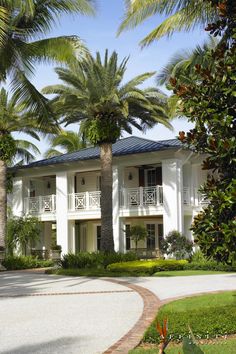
x=99 y=232
x=160 y=233
x=127 y=236
x=150 y=178
x=151 y=242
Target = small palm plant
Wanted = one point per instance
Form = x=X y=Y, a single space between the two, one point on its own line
x=138 y=233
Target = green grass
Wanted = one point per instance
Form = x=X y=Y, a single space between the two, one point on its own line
x=208 y=316
x=226 y=346
x=184 y=273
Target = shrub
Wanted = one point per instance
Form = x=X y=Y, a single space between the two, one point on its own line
x=148 y=267
x=25 y=262
x=177 y=245
x=95 y=259
x=210 y=265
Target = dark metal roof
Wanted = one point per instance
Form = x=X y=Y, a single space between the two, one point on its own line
x=131 y=145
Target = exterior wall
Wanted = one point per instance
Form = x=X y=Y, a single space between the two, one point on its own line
x=177 y=173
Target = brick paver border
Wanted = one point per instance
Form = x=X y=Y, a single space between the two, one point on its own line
x=151 y=304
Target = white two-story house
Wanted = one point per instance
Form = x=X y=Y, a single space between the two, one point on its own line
x=155 y=183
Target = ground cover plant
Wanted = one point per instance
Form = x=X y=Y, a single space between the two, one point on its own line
x=209 y=316
x=226 y=346
x=147 y=267
x=25 y=262
x=185 y=273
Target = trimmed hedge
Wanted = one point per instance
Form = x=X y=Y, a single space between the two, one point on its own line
x=148 y=267
x=95 y=259
x=25 y=262
x=210 y=265
x=206 y=319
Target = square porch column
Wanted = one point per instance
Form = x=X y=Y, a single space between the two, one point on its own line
x=61 y=210
x=118 y=176
x=172 y=195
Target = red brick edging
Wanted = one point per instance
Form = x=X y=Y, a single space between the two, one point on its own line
x=151 y=304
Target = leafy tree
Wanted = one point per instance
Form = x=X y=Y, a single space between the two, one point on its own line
x=69 y=141
x=94 y=94
x=210 y=102
x=177 y=245
x=181 y=15
x=138 y=233
x=23 y=232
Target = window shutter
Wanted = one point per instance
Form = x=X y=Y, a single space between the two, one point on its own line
x=159 y=176
x=141 y=177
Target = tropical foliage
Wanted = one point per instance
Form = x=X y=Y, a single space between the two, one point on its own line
x=181 y=15
x=93 y=93
x=210 y=102
x=68 y=141
x=138 y=233
x=23 y=24
x=23 y=232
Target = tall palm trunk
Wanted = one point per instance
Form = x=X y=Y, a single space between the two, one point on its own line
x=3 y=202
x=107 y=242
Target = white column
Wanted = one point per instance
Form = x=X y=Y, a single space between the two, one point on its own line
x=71 y=236
x=172 y=195
x=61 y=210
x=18 y=197
x=118 y=173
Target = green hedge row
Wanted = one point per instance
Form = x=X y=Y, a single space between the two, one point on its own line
x=25 y=262
x=210 y=265
x=95 y=259
x=148 y=267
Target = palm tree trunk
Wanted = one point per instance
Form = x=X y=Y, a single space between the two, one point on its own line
x=107 y=242
x=3 y=202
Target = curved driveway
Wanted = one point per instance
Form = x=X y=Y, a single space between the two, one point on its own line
x=52 y=314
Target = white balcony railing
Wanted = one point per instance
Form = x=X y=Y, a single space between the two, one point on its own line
x=193 y=197
x=141 y=197
x=40 y=205
x=84 y=201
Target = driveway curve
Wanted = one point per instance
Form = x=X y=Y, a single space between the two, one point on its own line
x=77 y=315
x=53 y=314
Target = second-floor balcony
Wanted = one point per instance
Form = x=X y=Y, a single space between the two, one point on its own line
x=141 y=197
x=129 y=198
x=45 y=204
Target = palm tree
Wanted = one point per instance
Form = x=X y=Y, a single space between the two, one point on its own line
x=93 y=93
x=182 y=67
x=180 y=15
x=69 y=141
x=23 y=24
x=14 y=118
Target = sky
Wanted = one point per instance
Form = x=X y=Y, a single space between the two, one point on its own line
x=100 y=32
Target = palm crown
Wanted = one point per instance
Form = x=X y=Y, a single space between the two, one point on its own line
x=180 y=15
x=93 y=92
x=23 y=24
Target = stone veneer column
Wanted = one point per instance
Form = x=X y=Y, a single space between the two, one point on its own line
x=61 y=210
x=172 y=195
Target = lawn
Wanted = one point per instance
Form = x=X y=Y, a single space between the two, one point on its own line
x=221 y=346
x=184 y=273
x=209 y=316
